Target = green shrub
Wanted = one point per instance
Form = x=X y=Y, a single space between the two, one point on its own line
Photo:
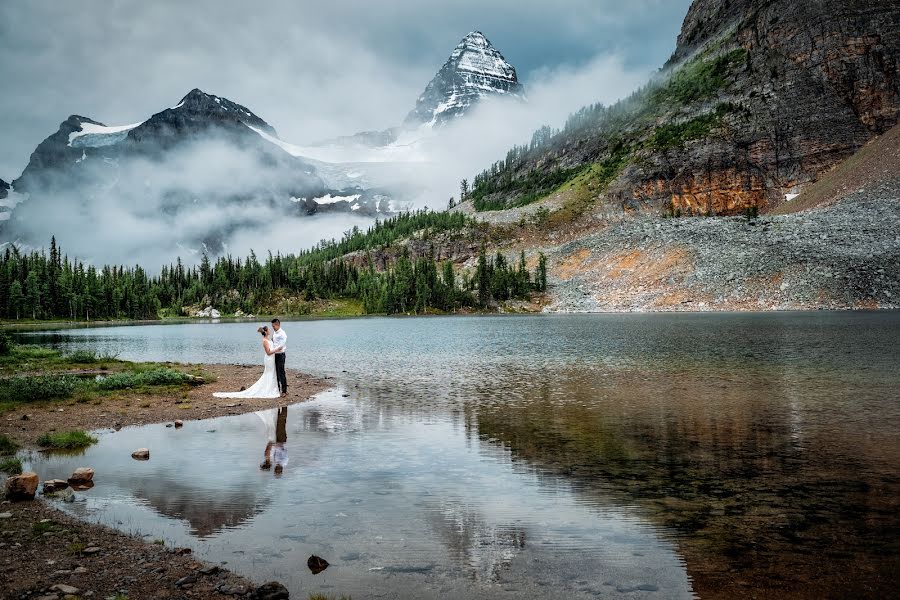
x=121 y=381
x=699 y=79
x=6 y=344
x=674 y=135
x=7 y=446
x=40 y=387
x=75 y=548
x=66 y=440
x=89 y=357
x=41 y=528
x=11 y=466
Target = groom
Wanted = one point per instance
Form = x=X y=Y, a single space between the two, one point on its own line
x=279 y=340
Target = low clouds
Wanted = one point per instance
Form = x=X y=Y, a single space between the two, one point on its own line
x=206 y=195
x=312 y=69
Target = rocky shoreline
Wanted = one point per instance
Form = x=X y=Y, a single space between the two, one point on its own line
x=47 y=554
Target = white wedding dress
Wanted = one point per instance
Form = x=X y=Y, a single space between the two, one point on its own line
x=265 y=387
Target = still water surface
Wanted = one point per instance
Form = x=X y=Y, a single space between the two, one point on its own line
x=634 y=456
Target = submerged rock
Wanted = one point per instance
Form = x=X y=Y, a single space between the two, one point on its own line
x=141 y=454
x=178 y=423
x=22 y=487
x=270 y=591
x=54 y=485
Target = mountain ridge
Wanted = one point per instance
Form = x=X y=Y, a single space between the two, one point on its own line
x=474 y=70
x=758 y=98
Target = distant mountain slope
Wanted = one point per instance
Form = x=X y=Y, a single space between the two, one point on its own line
x=475 y=70
x=4 y=189
x=87 y=152
x=759 y=98
x=194 y=173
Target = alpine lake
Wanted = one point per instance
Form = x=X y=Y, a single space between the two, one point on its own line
x=548 y=456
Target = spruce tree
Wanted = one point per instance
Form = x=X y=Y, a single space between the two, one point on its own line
x=16 y=298
x=541 y=274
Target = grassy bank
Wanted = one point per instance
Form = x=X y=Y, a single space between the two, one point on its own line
x=31 y=374
x=35 y=379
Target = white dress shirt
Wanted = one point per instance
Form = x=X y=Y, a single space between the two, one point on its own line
x=279 y=340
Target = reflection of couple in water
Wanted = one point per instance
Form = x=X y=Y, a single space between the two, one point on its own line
x=276 y=438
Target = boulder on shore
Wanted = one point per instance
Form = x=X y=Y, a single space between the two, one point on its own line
x=22 y=487
x=82 y=475
x=54 y=485
x=141 y=454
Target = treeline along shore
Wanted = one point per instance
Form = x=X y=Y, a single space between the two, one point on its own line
x=50 y=285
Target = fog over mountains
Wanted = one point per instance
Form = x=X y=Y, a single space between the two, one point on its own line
x=209 y=175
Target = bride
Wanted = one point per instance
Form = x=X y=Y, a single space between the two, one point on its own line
x=267 y=385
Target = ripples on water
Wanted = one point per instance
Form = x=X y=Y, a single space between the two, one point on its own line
x=578 y=456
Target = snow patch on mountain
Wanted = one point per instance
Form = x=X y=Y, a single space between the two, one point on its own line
x=329 y=199
x=94 y=135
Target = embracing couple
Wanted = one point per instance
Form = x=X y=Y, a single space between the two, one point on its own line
x=273 y=382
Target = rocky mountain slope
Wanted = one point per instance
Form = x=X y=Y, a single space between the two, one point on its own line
x=474 y=71
x=835 y=246
x=4 y=189
x=759 y=99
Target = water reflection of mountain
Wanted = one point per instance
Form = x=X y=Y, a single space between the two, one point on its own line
x=485 y=549
x=759 y=489
x=207 y=511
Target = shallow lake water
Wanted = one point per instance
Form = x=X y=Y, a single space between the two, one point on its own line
x=634 y=456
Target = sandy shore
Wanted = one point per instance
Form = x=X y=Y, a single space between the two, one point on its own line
x=43 y=550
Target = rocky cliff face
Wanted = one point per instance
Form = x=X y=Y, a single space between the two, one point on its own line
x=475 y=70
x=4 y=189
x=53 y=157
x=760 y=98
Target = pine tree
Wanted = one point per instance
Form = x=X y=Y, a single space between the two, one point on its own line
x=483 y=275
x=540 y=276
x=33 y=294
x=16 y=298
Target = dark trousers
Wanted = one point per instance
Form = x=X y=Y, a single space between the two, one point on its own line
x=281 y=425
x=279 y=371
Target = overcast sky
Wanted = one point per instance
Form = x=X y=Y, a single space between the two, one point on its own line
x=311 y=69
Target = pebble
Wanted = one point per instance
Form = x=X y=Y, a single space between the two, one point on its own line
x=6 y=515
x=188 y=580
x=91 y=550
x=65 y=589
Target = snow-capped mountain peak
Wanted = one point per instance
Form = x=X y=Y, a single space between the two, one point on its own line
x=474 y=70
